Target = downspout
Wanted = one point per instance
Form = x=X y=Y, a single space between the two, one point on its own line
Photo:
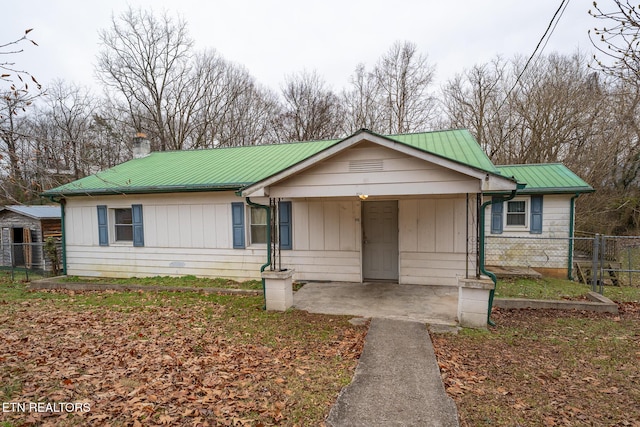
x=571 y=231
x=483 y=270
x=268 y=263
x=63 y=240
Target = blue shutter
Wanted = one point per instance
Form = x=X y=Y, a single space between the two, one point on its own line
x=284 y=212
x=138 y=230
x=536 y=215
x=237 y=219
x=496 y=216
x=103 y=226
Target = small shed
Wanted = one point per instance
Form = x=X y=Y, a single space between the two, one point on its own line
x=23 y=231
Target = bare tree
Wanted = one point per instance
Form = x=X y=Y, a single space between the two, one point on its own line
x=403 y=77
x=229 y=109
x=618 y=38
x=553 y=104
x=362 y=109
x=545 y=117
x=311 y=110
x=474 y=100
x=12 y=137
x=145 y=60
x=15 y=97
x=71 y=110
x=9 y=72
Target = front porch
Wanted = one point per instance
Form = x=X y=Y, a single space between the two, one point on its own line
x=436 y=305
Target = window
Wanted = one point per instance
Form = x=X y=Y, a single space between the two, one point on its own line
x=516 y=213
x=123 y=225
x=258 y=225
x=520 y=214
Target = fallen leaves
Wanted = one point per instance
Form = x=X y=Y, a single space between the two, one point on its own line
x=167 y=364
x=546 y=368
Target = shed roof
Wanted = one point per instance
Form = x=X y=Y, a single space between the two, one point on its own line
x=35 y=212
x=237 y=167
x=546 y=178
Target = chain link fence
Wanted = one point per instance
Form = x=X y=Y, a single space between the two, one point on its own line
x=527 y=252
x=616 y=260
x=591 y=259
x=30 y=258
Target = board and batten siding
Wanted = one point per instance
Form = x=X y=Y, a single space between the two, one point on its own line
x=549 y=249
x=374 y=170
x=326 y=240
x=192 y=234
x=183 y=234
x=433 y=240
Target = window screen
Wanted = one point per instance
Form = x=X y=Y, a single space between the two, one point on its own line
x=258 y=225
x=517 y=213
x=123 y=225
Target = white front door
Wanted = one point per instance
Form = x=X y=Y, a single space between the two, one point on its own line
x=380 y=240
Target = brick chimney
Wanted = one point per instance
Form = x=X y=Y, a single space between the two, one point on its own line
x=141 y=146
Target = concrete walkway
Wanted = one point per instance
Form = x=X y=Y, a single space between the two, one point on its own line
x=397 y=382
x=426 y=304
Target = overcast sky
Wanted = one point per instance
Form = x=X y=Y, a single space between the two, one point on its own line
x=273 y=39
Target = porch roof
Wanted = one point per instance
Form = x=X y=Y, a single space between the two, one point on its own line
x=235 y=168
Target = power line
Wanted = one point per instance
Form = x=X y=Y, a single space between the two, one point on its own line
x=550 y=29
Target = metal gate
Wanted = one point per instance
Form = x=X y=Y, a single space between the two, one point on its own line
x=615 y=261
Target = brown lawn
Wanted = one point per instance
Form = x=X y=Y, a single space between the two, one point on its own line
x=546 y=368
x=168 y=359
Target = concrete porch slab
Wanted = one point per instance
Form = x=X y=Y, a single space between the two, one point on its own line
x=425 y=304
x=503 y=272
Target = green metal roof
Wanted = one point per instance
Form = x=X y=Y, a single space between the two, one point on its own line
x=457 y=145
x=546 y=178
x=193 y=170
x=237 y=167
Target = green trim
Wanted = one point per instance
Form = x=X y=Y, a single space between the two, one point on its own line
x=572 y=204
x=147 y=190
x=483 y=269
x=564 y=190
x=64 y=238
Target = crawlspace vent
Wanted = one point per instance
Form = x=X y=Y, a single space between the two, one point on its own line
x=365 y=166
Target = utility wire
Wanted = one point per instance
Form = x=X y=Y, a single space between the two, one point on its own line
x=554 y=26
x=550 y=29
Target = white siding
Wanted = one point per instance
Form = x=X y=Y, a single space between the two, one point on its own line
x=191 y=234
x=326 y=240
x=523 y=249
x=433 y=240
x=184 y=234
x=374 y=170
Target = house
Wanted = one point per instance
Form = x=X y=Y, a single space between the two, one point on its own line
x=23 y=230
x=402 y=208
x=535 y=229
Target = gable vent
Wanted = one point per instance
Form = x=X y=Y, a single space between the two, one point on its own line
x=365 y=166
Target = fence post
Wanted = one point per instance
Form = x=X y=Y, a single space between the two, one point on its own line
x=594 y=266
x=603 y=259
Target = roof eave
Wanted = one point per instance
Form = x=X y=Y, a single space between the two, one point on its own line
x=146 y=190
x=558 y=190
